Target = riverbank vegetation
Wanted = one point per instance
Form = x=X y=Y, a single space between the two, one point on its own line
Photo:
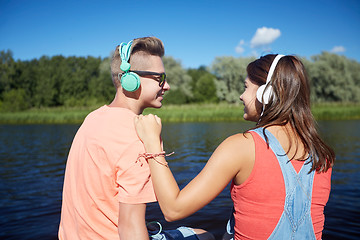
x=172 y=113
x=65 y=89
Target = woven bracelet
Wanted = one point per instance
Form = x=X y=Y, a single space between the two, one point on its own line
x=154 y=155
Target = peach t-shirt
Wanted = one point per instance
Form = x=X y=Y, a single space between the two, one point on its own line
x=102 y=170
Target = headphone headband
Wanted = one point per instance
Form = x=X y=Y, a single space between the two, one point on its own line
x=272 y=67
x=125 y=50
x=264 y=92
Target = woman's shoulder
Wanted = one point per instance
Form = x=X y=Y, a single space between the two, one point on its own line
x=240 y=152
x=243 y=138
x=238 y=144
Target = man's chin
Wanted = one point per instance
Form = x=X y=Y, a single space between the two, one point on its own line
x=157 y=105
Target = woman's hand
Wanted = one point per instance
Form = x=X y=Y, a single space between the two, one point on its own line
x=148 y=128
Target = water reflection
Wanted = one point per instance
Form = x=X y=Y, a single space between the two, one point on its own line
x=31 y=174
x=342 y=212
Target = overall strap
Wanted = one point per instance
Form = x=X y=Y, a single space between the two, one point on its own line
x=295 y=220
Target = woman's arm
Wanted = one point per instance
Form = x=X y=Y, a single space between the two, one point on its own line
x=225 y=163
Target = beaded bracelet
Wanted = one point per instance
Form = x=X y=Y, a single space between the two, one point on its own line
x=154 y=155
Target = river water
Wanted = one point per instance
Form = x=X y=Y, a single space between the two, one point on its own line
x=33 y=159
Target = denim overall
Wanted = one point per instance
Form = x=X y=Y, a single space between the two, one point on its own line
x=295 y=221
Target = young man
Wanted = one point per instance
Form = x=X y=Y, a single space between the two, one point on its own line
x=107 y=185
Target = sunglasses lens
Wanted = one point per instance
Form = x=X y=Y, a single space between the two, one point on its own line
x=162 y=79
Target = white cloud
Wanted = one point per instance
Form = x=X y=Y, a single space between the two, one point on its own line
x=264 y=36
x=338 y=49
x=239 y=48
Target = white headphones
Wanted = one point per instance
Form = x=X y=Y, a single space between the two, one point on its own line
x=264 y=92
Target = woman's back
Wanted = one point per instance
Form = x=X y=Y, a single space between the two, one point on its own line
x=259 y=201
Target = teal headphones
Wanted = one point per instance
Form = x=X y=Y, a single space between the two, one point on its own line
x=130 y=81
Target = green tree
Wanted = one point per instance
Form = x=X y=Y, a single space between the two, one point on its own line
x=196 y=74
x=203 y=85
x=27 y=78
x=231 y=74
x=205 y=89
x=179 y=80
x=101 y=88
x=7 y=71
x=353 y=67
x=47 y=83
x=333 y=78
x=81 y=73
x=15 y=100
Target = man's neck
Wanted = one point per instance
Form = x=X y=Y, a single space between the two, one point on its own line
x=124 y=102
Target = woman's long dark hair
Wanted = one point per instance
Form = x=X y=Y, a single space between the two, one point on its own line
x=290 y=103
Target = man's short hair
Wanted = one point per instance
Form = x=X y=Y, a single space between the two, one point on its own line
x=141 y=47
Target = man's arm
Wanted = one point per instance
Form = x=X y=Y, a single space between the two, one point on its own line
x=131 y=225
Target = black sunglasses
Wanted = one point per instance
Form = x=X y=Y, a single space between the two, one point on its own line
x=161 y=79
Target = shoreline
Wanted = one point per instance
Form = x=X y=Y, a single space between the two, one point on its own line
x=174 y=113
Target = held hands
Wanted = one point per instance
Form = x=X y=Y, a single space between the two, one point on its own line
x=148 y=128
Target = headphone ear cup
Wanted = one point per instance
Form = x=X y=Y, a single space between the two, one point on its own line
x=130 y=81
x=262 y=94
x=259 y=93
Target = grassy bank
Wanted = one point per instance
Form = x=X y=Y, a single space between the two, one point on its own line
x=173 y=113
x=45 y=116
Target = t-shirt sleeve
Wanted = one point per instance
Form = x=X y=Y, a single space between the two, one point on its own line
x=133 y=177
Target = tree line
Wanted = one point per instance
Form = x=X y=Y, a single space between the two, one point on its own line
x=86 y=81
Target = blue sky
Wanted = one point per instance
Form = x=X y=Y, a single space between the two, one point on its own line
x=193 y=32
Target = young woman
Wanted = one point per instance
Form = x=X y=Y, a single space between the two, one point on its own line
x=280 y=170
